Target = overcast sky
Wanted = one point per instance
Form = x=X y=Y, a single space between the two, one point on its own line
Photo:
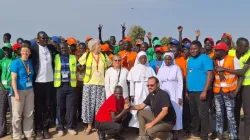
x=80 y=18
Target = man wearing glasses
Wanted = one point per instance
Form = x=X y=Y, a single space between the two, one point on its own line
x=161 y=118
x=43 y=56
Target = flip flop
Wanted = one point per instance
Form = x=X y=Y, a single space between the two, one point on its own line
x=87 y=131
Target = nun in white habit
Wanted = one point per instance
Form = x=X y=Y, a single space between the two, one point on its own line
x=138 y=77
x=171 y=81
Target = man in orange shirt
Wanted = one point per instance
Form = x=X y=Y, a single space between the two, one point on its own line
x=128 y=56
x=179 y=60
x=208 y=44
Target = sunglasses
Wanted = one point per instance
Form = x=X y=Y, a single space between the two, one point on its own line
x=150 y=85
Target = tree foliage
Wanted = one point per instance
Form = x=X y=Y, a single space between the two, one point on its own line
x=165 y=40
x=136 y=32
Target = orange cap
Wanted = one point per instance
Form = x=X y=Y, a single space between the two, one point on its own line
x=88 y=38
x=138 y=43
x=165 y=48
x=71 y=41
x=227 y=35
x=106 y=48
x=127 y=39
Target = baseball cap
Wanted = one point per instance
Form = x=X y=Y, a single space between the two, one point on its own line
x=16 y=46
x=127 y=38
x=174 y=42
x=56 y=39
x=7 y=45
x=157 y=43
x=209 y=39
x=186 y=39
x=221 y=46
x=187 y=45
x=106 y=48
x=71 y=41
x=158 y=49
x=88 y=38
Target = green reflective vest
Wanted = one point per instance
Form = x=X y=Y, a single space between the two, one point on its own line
x=243 y=60
x=72 y=68
x=89 y=59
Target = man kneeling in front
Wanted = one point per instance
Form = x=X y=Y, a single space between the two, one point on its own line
x=161 y=119
x=113 y=116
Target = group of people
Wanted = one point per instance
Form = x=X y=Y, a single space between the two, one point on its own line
x=158 y=89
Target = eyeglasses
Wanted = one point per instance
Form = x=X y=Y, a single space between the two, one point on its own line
x=150 y=85
x=117 y=60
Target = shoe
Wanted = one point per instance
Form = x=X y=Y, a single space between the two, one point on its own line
x=46 y=135
x=170 y=136
x=72 y=132
x=30 y=138
x=101 y=135
x=3 y=135
x=144 y=138
x=60 y=133
x=118 y=137
x=39 y=136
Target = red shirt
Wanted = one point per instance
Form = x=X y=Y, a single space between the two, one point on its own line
x=110 y=105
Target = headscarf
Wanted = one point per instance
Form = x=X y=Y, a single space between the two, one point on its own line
x=137 y=61
x=140 y=72
x=168 y=54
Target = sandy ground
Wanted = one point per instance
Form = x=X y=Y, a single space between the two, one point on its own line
x=129 y=135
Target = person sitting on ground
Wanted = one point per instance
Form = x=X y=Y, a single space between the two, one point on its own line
x=161 y=118
x=113 y=116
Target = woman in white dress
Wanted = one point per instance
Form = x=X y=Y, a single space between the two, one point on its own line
x=114 y=76
x=138 y=77
x=171 y=81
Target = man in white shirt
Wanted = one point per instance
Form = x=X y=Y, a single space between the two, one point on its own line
x=43 y=62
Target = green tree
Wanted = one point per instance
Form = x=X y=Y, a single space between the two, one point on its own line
x=136 y=32
x=165 y=40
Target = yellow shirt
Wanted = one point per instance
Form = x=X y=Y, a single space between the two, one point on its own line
x=95 y=80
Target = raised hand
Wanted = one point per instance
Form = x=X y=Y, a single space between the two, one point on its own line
x=197 y=33
x=100 y=27
x=180 y=28
x=123 y=27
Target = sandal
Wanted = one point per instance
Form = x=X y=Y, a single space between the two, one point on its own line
x=87 y=131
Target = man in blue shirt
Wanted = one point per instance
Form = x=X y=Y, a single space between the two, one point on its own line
x=199 y=79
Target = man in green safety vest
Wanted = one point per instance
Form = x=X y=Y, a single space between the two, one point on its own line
x=242 y=93
x=65 y=82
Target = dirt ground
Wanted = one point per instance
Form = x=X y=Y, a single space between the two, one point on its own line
x=129 y=135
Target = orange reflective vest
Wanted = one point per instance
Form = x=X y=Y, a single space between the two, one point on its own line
x=230 y=82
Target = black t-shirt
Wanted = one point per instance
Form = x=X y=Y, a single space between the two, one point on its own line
x=157 y=102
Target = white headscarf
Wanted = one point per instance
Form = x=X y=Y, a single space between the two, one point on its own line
x=137 y=61
x=168 y=54
x=140 y=72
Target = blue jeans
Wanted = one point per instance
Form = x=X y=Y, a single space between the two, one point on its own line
x=223 y=101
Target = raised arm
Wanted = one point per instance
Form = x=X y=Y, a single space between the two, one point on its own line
x=180 y=29
x=100 y=33
x=197 y=34
x=123 y=30
x=121 y=114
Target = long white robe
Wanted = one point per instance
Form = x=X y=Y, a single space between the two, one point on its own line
x=171 y=81
x=138 y=77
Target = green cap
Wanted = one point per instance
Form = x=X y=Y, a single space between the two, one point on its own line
x=157 y=43
x=7 y=45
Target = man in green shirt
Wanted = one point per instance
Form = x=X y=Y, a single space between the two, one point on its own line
x=5 y=84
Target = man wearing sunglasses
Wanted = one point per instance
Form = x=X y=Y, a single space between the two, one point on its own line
x=161 y=118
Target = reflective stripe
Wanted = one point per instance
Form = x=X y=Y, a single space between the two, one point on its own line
x=86 y=74
x=88 y=68
x=57 y=79
x=57 y=71
x=247 y=77
x=228 y=85
x=227 y=76
x=72 y=72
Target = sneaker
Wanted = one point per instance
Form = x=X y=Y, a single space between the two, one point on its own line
x=60 y=133
x=72 y=132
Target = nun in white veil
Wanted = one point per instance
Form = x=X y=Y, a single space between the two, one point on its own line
x=138 y=77
x=171 y=81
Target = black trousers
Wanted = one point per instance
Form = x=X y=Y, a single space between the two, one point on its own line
x=186 y=116
x=243 y=98
x=66 y=106
x=79 y=99
x=43 y=101
x=5 y=103
x=113 y=128
x=200 y=114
